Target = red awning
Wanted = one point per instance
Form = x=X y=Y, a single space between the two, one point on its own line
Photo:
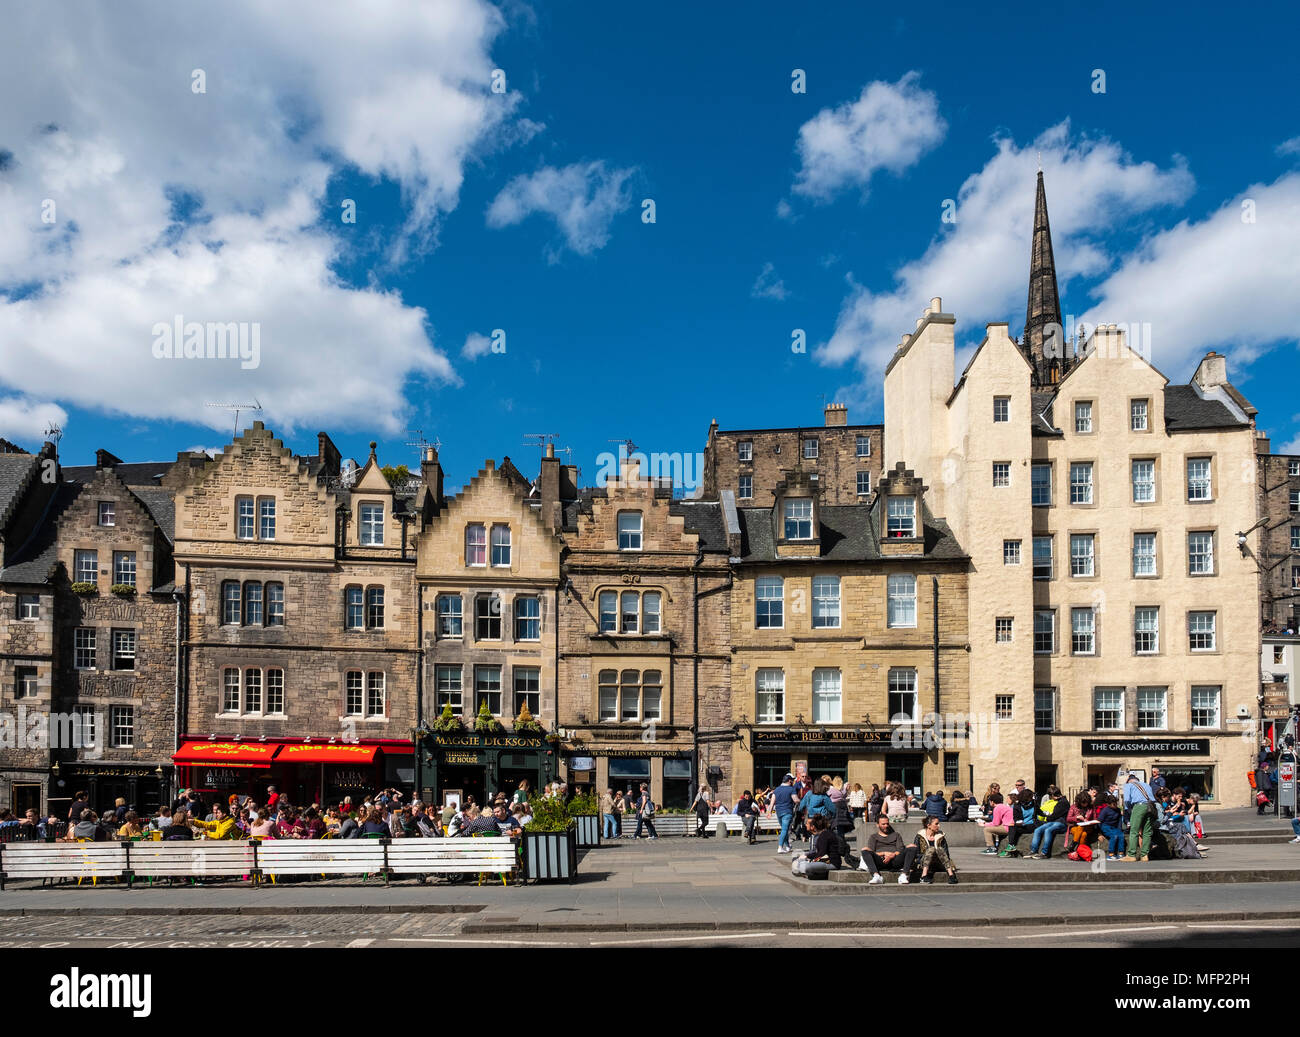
x=326 y=753
x=399 y=749
x=225 y=754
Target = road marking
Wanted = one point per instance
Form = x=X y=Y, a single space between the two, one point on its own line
x=1242 y=925
x=362 y=941
x=882 y=932
x=470 y=939
x=680 y=939
x=1092 y=932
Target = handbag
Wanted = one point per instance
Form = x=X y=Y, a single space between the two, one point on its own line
x=1084 y=852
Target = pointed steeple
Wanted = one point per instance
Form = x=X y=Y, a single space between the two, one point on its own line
x=1044 y=306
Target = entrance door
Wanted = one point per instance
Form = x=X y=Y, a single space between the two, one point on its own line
x=470 y=781
x=905 y=769
x=1044 y=775
x=834 y=766
x=25 y=798
x=1102 y=775
x=769 y=770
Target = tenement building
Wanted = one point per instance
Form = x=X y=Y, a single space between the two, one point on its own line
x=1279 y=538
x=844 y=458
x=848 y=639
x=299 y=651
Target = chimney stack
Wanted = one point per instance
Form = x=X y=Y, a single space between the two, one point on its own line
x=548 y=489
x=431 y=473
x=836 y=414
x=1212 y=372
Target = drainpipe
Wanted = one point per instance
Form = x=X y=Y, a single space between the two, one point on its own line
x=935 y=582
x=419 y=680
x=695 y=675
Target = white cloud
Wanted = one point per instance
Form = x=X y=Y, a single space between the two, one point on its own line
x=1289 y=147
x=25 y=420
x=768 y=285
x=99 y=117
x=890 y=126
x=1293 y=447
x=980 y=264
x=582 y=198
x=476 y=345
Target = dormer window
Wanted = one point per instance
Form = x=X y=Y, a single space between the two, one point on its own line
x=798 y=518
x=901 y=521
x=372 y=525
x=629 y=531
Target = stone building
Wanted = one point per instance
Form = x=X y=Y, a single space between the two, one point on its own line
x=488 y=569
x=300 y=651
x=644 y=640
x=844 y=458
x=1279 y=538
x=848 y=637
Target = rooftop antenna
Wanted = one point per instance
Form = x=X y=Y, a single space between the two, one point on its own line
x=631 y=447
x=53 y=433
x=541 y=439
x=418 y=441
x=237 y=407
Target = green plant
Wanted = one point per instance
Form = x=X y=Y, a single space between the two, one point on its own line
x=485 y=723
x=673 y=810
x=447 y=722
x=123 y=588
x=584 y=806
x=549 y=815
x=526 y=724
x=85 y=587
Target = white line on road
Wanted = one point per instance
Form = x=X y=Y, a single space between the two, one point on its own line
x=469 y=939
x=362 y=941
x=680 y=939
x=1092 y=932
x=1252 y=926
x=891 y=933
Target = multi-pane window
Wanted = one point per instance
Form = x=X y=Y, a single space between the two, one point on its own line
x=901 y=520
x=901 y=594
x=1200 y=554
x=1151 y=709
x=252 y=691
x=1081 y=482
x=528 y=690
x=355 y=608
x=1044 y=631
x=25 y=686
x=230 y=695
x=629 y=612
x=1293 y=468
x=826 y=700
x=864 y=484
x=629 y=696
x=608 y=696
x=244 y=518
x=1001 y=408
x=1295 y=538
x=449 y=615
x=951 y=768
x=1081 y=554
x=745 y=450
x=1295 y=577
x=266 y=518
x=29 y=606
x=124 y=568
x=1083 y=417
x=651 y=612
x=1144 y=554
x=123 y=649
x=1001 y=473
x=1044 y=709
x=1144 y=482
x=771 y=696
x=447 y=680
x=475 y=544
x=356 y=693
x=1198 y=478
x=1295 y=501
x=231 y=610
x=810 y=449
x=1003 y=628
x=528 y=619
x=863 y=446
x=83 y=648
x=1004 y=707
x=501 y=545
x=652 y=695
x=375 y=608
x=1011 y=552
x=608 y=612
x=85 y=566
x=902 y=695
x=487 y=617
x=253 y=604
x=84 y=725
x=1205 y=705
x=746 y=490
x=1108 y=709
x=1201 y=633
x=1043 y=569
x=629 y=531
x=769 y=603
x=1146 y=630
x=275 y=604
x=826 y=602
x=122 y=727
x=1083 y=631
x=1137 y=411
x=375 y=693
x=275 y=691
x=798 y=518
x=372 y=525
x=487 y=688
x=107 y=513
x=1040 y=481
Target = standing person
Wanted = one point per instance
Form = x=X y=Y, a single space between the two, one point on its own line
x=874 y=803
x=1142 y=820
x=857 y=801
x=701 y=808
x=607 y=814
x=934 y=847
x=80 y=803
x=1157 y=780
x=645 y=813
x=784 y=801
x=521 y=793
x=1001 y=818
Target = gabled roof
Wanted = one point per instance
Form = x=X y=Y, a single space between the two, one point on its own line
x=1187 y=408
x=161 y=505
x=143 y=473
x=34 y=560
x=847 y=533
x=705 y=520
x=15 y=472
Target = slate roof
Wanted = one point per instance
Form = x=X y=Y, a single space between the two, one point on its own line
x=161 y=505
x=1041 y=404
x=1187 y=409
x=33 y=560
x=14 y=471
x=848 y=533
x=143 y=473
x=705 y=519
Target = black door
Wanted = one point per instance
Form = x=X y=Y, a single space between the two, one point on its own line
x=905 y=769
x=470 y=781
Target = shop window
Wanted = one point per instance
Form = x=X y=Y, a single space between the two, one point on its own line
x=677 y=784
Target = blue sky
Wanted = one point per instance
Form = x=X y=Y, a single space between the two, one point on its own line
x=522 y=211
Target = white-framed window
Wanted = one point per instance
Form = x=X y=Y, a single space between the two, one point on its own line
x=607 y=696
x=372 y=525
x=231 y=696
x=1040 y=480
x=1001 y=473
x=1044 y=631
x=266 y=518
x=1293 y=468
x=651 y=612
x=1146 y=630
x=487 y=688
x=1205 y=705
x=1044 y=709
x=1003 y=629
x=901 y=518
x=123 y=649
x=1083 y=631
x=355 y=702
x=810 y=447
x=25 y=682
x=232 y=612
x=245 y=518
x=629 y=531
x=769 y=603
x=1295 y=501
x=1151 y=709
x=1198 y=479
x=83 y=648
x=374 y=608
x=1044 y=568
x=252 y=604
x=487 y=617
x=1144 y=554
x=528 y=690
x=608 y=611
x=1144 y=481
x=798 y=518
x=1137 y=411
x=29 y=606
x=826 y=602
x=902 y=695
x=1011 y=552
x=501 y=545
x=1082 y=556
x=124 y=568
x=275 y=691
x=629 y=612
x=864 y=484
x=1004 y=707
x=901 y=593
x=862 y=446
x=652 y=695
x=770 y=685
x=528 y=618
x=746 y=491
x=450 y=615
x=354 y=608
x=252 y=691
x=1295 y=539
x=1108 y=709
x=1202 y=635
x=275 y=604
x=1083 y=417
x=107 y=513
x=1200 y=553
x=745 y=450
x=85 y=565
x=449 y=688
x=827 y=700
x=376 y=693
x=84 y=724
x=122 y=727
x=1001 y=409
x=1081 y=482
x=476 y=544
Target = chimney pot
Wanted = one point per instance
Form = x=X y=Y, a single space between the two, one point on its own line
x=936 y=305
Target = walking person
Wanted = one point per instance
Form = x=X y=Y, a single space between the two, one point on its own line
x=874 y=802
x=784 y=802
x=701 y=808
x=1142 y=820
x=645 y=813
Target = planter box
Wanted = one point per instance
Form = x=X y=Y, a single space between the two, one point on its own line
x=551 y=856
x=588 y=830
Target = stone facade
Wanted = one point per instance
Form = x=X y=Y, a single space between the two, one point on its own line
x=1279 y=539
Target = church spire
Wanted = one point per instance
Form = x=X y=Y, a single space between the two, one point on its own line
x=1044 y=306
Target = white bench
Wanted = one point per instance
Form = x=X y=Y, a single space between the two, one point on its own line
x=486 y=854
x=78 y=861
x=321 y=857
x=685 y=824
x=215 y=858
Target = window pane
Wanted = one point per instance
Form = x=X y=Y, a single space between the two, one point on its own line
x=1043 y=567
x=1144 y=482
x=528 y=690
x=650 y=609
x=1041 y=485
x=1146 y=630
x=355 y=693
x=798 y=519
x=1200 y=554
x=266 y=518
x=252 y=691
x=1144 y=554
x=124 y=568
x=1198 y=478
x=1082 y=630
x=1044 y=632
x=487 y=688
x=901 y=521
x=652 y=694
x=1151 y=709
x=528 y=619
x=449 y=688
x=608 y=611
x=902 y=600
x=1081 y=554
x=375 y=694
x=253 y=604
x=1044 y=709
x=244 y=518
x=500 y=545
x=826 y=696
x=902 y=696
x=769 y=592
x=629 y=531
x=475 y=545
x=630 y=691
x=372 y=524
x=771 y=696
x=608 y=695
x=275 y=604
x=231 y=612
x=275 y=691
x=826 y=601
x=1108 y=709
x=1081 y=483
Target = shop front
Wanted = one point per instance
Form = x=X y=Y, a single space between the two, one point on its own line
x=667 y=772
x=913 y=759
x=143 y=786
x=1183 y=762
x=469 y=764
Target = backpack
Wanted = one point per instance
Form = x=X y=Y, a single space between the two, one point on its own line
x=649 y=810
x=1183 y=847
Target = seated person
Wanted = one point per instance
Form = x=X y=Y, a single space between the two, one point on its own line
x=1001 y=820
x=1081 y=824
x=1023 y=820
x=934 y=847
x=958 y=807
x=179 y=828
x=507 y=824
x=884 y=851
x=1110 y=822
x=748 y=813
x=824 y=856
x=87 y=828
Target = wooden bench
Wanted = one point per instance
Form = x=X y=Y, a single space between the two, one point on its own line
x=321 y=857
x=685 y=824
x=215 y=858
x=80 y=861
x=482 y=855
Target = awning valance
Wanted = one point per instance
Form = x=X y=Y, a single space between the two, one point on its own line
x=326 y=753
x=225 y=754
